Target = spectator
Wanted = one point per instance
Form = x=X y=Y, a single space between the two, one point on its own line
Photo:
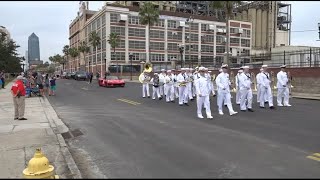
x=18 y=92
x=2 y=78
x=90 y=77
x=46 y=82
x=40 y=83
x=52 y=86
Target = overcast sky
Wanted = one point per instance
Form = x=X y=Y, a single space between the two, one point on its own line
x=50 y=20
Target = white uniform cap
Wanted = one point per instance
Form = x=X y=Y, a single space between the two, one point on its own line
x=245 y=67
x=19 y=77
x=206 y=69
x=261 y=69
x=224 y=66
x=183 y=69
x=220 y=70
x=169 y=71
x=264 y=66
x=172 y=69
x=201 y=68
x=283 y=66
x=155 y=73
x=190 y=69
x=240 y=71
x=209 y=71
x=163 y=70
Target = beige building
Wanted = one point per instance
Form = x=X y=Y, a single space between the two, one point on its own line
x=161 y=5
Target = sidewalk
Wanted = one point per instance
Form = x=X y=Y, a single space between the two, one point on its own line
x=19 y=139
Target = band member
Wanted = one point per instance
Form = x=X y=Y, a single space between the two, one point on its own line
x=244 y=80
x=169 y=83
x=237 y=86
x=145 y=85
x=196 y=76
x=156 y=86
x=223 y=84
x=282 y=86
x=265 y=88
x=175 y=83
x=212 y=84
x=203 y=88
x=190 y=83
x=258 y=85
x=161 y=85
x=182 y=83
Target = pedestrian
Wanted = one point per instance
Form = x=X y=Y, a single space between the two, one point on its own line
x=18 y=93
x=2 y=78
x=244 y=83
x=46 y=83
x=39 y=81
x=203 y=88
x=265 y=88
x=0 y=83
x=223 y=84
x=53 y=86
x=90 y=78
x=282 y=86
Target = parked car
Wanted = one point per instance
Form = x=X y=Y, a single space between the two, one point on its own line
x=111 y=81
x=80 y=75
x=72 y=75
x=64 y=75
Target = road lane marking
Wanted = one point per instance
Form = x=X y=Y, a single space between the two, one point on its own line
x=85 y=88
x=129 y=101
x=315 y=156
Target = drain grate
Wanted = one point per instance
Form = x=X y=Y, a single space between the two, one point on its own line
x=71 y=134
x=76 y=133
x=66 y=135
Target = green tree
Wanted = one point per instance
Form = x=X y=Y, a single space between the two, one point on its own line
x=114 y=40
x=149 y=15
x=65 y=51
x=84 y=48
x=227 y=7
x=74 y=52
x=9 y=60
x=95 y=40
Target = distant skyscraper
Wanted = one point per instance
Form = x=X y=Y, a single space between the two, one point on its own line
x=33 y=47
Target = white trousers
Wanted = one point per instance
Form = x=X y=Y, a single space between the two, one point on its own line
x=203 y=100
x=176 y=91
x=183 y=98
x=145 y=88
x=194 y=90
x=169 y=93
x=155 y=90
x=226 y=97
x=238 y=96
x=161 y=88
x=258 y=93
x=283 y=93
x=266 y=92
x=189 y=92
x=213 y=92
x=246 y=96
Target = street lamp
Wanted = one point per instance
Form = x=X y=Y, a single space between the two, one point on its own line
x=130 y=57
x=181 y=49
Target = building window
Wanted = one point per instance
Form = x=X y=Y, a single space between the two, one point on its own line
x=207 y=38
x=98 y=23
x=114 y=17
x=204 y=27
x=234 y=40
x=172 y=56
x=157 y=45
x=233 y=30
x=133 y=19
x=103 y=19
x=194 y=47
x=104 y=43
x=194 y=26
x=104 y=56
x=103 y=32
x=99 y=33
x=245 y=42
x=157 y=57
x=118 y=56
x=219 y=60
x=137 y=44
x=221 y=27
x=139 y=57
x=207 y=59
x=119 y=30
x=137 y=32
x=173 y=47
x=172 y=24
x=221 y=39
x=194 y=37
x=206 y=48
x=246 y=33
x=157 y=34
x=94 y=25
x=175 y=35
x=94 y=59
x=121 y=44
x=160 y=23
x=99 y=58
x=220 y=49
x=86 y=31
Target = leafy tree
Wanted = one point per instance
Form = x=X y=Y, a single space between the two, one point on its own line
x=9 y=60
x=65 y=51
x=149 y=15
x=84 y=48
x=114 y=42
x=95 y=40
x=227 y=7
x=74 y=52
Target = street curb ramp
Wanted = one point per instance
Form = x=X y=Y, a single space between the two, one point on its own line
x=58 y=128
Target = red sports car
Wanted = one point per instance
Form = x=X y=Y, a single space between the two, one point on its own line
x=111 y=81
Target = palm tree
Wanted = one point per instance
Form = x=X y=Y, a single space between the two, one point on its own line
x=148 y=16
x=227 y=7
x=74 y=52
x=114 y=42
x=65 y=51
x=94 y=39
x=84 y=48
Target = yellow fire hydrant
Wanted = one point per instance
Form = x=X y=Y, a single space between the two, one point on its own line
x=39 y=167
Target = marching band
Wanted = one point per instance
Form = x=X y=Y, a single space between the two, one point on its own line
x=199 y=84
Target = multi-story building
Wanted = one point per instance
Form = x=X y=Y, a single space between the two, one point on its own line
x=172 y=33
x=33 y=48
x=161 y=5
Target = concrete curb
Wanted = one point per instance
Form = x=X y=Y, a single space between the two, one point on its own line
x=59 y=127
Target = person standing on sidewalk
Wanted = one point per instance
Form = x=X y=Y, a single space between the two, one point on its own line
x=40 y=83
x=2 y=78
x=18 y=92
x=52 y=86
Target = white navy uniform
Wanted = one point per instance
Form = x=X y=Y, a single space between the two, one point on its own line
x=155 y=88
x=238 y=95
x=195 y=77
x=162 y=87
x=258 y=87
x=169 y=82
x=182 y=89
x=145 y=86
x=203 y=88
x=176 y=86
x=283 y=89
x=189 y=85
x=223 y=84
x=265 y=89
x=245 y=91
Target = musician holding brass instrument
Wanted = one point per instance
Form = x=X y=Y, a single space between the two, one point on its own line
x=169 y=83
x=175 y=83
x=155 y=86
x=145 y=78
x=161 y=85
x=265 y=87
x=189 y=83
x=238 y=96
x=245 y=90
x=182 y=84
x=283 y=87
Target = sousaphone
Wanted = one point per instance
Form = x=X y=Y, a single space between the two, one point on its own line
x=147 y=69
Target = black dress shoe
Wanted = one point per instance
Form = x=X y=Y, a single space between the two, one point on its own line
x=226 y=105
x=243 y=110
x=15 y=118
x=186 y=104
x=143 y=97
x=22 y=119
x=266 y=102
x=272 y=107
x=191 y=99
x=160 y=98
x=148 y=96
x=250 y=110
x=172 y=101
x=261 y=107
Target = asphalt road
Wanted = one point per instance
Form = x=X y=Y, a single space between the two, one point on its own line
x=155 y=139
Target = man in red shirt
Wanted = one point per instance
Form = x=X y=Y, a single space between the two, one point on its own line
x=18 y=92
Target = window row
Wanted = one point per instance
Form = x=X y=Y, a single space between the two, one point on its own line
x=174 y=35
x=157 y=45
x=118 y=56
x=157 y=34
x=137 y=32
x=194 y=37
x=206 y=48
x=137 y=44
x=207 y=38
x=138 y=56
x=156 y=57
x=119 y=30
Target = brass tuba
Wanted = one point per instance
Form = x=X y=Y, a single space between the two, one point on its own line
x=147 y=69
